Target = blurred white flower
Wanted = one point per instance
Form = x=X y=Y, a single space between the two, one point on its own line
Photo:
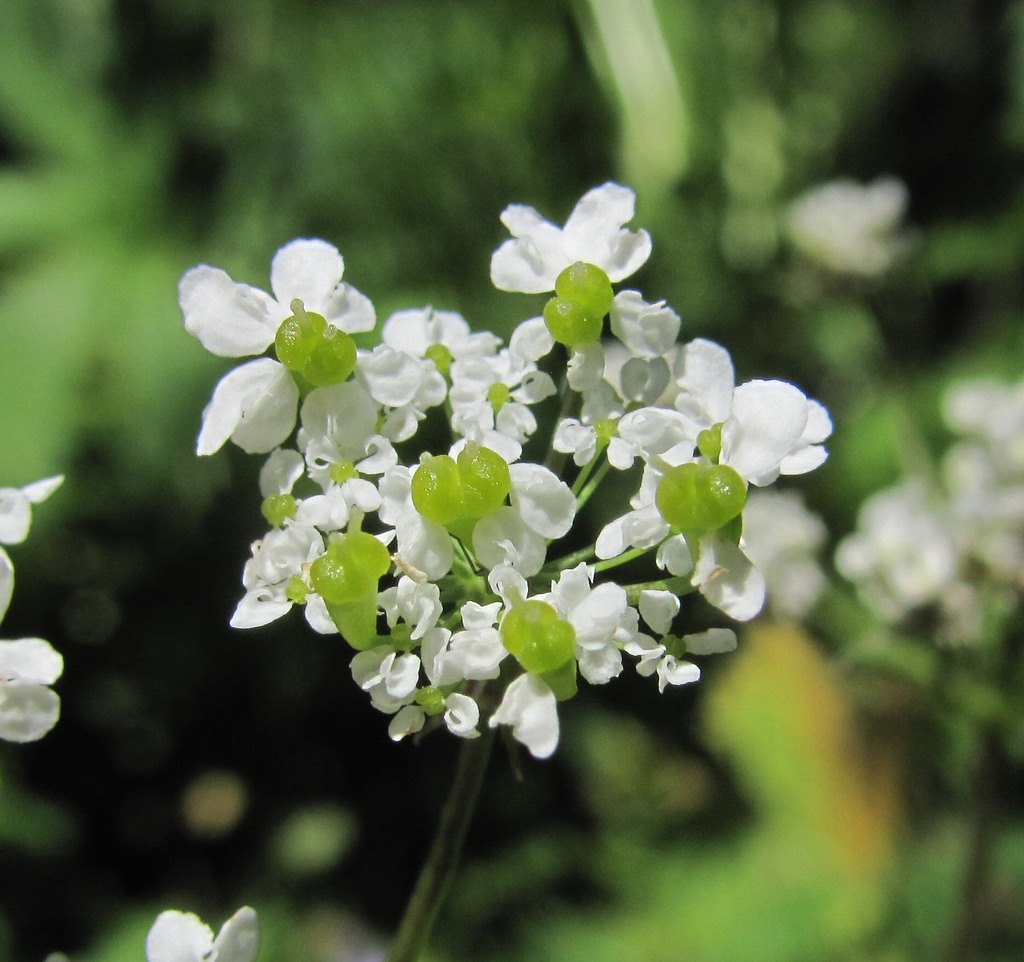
x=781 y=537
x=183 y=937
x=851 y=228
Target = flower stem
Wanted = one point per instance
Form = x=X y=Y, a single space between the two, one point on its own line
x=592 y=485
x=439 y=869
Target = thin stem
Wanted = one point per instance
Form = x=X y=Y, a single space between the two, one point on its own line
x=621 y=559
x=592 y=485
x=439 y=869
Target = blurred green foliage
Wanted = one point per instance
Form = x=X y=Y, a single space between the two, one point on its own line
x=742 y=819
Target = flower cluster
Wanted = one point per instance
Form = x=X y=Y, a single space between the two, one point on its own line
x=457 y=575
x=946 y=545
x=29 y=708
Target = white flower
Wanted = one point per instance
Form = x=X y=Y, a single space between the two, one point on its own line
x=404 y=384
x=781 y=536
x=851 y=228
x=276 y=558
x=601 y=619
x=902 y=555
x=254 y=405
x=647 y=330
x=28 y=707
x=594 y=233
x=529 y=707
x=768 y=427
x=183 y=937
x=415 y=331
x=461 y=716
x=16 y=507
x=389 y=677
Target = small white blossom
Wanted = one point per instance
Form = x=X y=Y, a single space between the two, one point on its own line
x=255 y=404
x=28 y=707
x=183 y=937
x=594 y=234
x=529 y=707
x=852 y=228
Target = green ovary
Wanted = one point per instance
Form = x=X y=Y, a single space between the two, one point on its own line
x=701 y=497
x=537 y=637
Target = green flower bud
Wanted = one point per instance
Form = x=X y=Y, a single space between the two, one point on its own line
x=587 y=285
x=498 y=395
x=537 y=637
x=700 y=497
x=278 y=508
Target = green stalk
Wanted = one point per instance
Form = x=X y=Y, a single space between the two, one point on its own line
x=436 y=875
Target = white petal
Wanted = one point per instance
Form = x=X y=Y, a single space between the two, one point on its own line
x=529 y=707
x=642 y=528
x=27 y=711
x=586 y=366
x=705 y=377
x=674 y=556
x=308 y=270
x=254 y=405
x=531 y=261
x=392 y=377
x=462 y=715
x=6 y=582
x=425 y=545
x=503 y=538
x=530 y=341
x=350 y=311
x=671 y=671
x=658 y=608
x=407 y=721
x=714 y=641
x=280 y=472
x=38 y=491
x=648 y=330
x=30 y=660
x=238 y=939
x=260 y=607
x=15 y=516
x=229 y=319
x=728 y=580
x=594 y=232
x=318 y=617
x=546 y=504
x=767 y=421
x=178 y=937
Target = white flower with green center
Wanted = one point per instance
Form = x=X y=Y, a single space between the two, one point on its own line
x=254 y=405
x=274 y=577
x=602 y=620
x=442 y=336
x=768 y=428
x=594 y=234
x=183 y=937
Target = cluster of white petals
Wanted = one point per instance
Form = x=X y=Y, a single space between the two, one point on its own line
x=184 y=937
x=344 y=458
x=852 y=228
x=29 y=708
x=943 y=545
